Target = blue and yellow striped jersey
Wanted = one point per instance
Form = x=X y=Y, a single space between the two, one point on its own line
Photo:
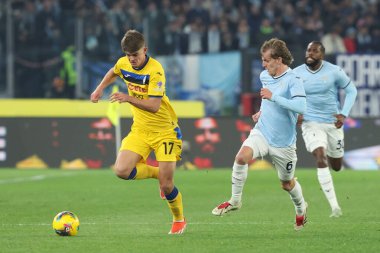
x=147 y=81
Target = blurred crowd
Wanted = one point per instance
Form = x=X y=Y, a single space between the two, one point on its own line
x=199 y=26
x=44 y=29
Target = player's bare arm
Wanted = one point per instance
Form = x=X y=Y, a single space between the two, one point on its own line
x=150 y=104
x=339 y=120
x=108 y=79
x=265 y=93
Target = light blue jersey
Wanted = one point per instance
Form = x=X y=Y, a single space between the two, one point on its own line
x=278 y=117
x=321 y=87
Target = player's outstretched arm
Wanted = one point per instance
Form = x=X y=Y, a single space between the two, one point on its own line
x=108 y=79
x=349 y=101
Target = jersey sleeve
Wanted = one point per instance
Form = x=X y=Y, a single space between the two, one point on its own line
x=116 y=68
x=296 y=88
x=351 y=93
x=297 y=100
x=157 y=82
x=341 y=78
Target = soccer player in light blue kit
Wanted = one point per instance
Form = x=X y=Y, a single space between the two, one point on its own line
x=283 y=97
x=323 y=120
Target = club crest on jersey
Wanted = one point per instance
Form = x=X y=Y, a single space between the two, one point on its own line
x=159 y=86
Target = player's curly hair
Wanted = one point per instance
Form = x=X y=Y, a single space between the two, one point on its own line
x=132 y=41
x=278 y=49
x=321 y=47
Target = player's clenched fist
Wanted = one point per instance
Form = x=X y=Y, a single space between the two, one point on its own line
x=96 y=95
x=265 y=93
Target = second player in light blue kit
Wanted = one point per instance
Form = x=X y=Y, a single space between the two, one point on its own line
x=283 y=97
x=323 y=120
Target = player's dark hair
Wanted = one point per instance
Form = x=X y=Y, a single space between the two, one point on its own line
x=132 y=41
x=321 y=46
x=278 y=49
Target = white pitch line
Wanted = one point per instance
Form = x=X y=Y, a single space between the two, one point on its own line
x=189 y=223
x=139 y=223
x=22 y=179
x=30 y=179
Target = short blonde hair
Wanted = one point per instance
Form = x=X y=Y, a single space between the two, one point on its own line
x=278 y=49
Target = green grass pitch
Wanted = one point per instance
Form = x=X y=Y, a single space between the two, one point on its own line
x=129 y=216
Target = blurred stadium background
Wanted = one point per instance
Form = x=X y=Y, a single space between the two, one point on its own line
x=54 y=52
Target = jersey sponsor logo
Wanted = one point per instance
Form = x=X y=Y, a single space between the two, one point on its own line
x=137 y=88
x=139 y=96
x=135 y=78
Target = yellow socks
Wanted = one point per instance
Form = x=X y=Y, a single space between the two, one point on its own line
x=143 y=171
x=174 y=200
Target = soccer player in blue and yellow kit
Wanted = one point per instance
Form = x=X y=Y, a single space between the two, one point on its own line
x=155 y=124
x=283 y=98
x=323 y=120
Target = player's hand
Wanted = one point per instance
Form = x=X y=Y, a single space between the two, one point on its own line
x=299 y=120
x=256 y=116
x=96 y=95
x=119 y=97
x=339 y=120
x=265 y=93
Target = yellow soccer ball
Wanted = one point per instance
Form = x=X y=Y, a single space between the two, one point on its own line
x=66 y=223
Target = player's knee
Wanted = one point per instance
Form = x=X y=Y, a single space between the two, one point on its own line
x=336 y=167
x=244 y=156
x=123 y=172
x=335 y=163
x=287 y=185
x=241 y=159
x=322 y=161
x=320 y=157
x=120 y=175
x=166 y=187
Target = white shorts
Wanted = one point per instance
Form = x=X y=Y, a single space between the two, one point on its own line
x=284 y=159
x=326 y=135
